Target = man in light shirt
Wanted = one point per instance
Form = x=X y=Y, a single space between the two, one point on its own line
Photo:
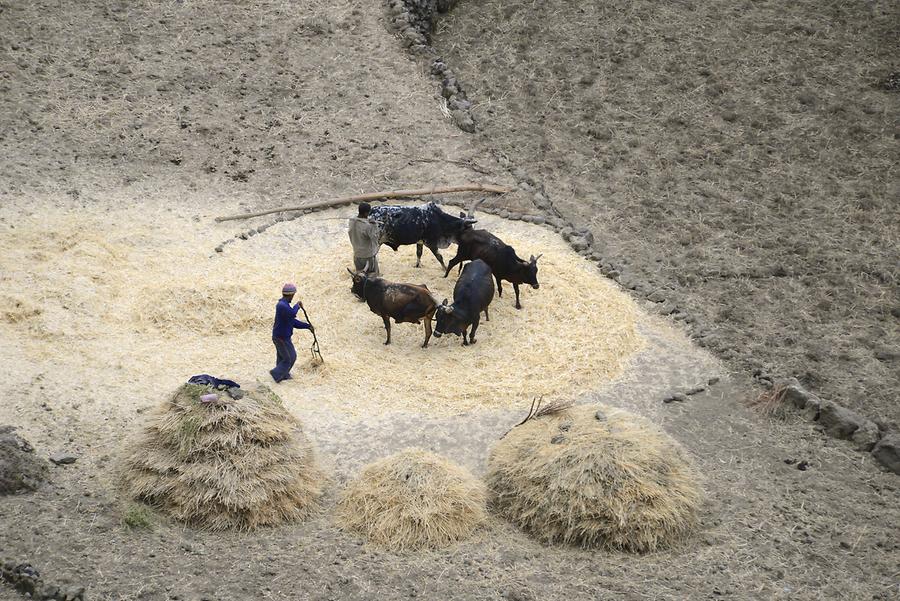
x=365 y=236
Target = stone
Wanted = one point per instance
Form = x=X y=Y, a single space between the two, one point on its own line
x=677 y=397
x=657 y=296
x=556 y=222
x=839 y=421
x=412 y=36
x=695 y=390
x=63 y=458
x=262 y=228
x=713 y=380
x=504 y=214
x=514 y=216
x=459 y=104
x=887 y=451
x=792 y=392
x=867 y=436
x=220 y=248
x=538 y=220
x=812 y=409
x=558 y=439
x=667 y=308
x=579 y=244
x=887 y=355
x=20 y=469
x=463 y=120
x=600 y=415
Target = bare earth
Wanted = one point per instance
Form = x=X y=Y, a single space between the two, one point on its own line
x=126 y=128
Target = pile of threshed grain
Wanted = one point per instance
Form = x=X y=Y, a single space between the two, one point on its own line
x=595 y=476
x=228 y=464
x=413 y=500
x=20 y=469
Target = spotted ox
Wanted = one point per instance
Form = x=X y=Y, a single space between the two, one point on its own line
x=425 y=225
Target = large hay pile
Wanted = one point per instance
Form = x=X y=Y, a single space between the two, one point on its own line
x=411 y=500
x=232 y=464
x=595 y=476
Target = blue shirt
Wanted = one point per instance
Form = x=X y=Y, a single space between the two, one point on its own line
x=286 y=320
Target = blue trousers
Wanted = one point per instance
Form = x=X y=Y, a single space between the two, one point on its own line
x=286 y=356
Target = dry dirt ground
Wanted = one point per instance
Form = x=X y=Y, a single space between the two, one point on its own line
x=126 y=127
x=740 y=157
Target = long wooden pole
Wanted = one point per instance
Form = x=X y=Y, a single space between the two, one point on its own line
x=337 y=202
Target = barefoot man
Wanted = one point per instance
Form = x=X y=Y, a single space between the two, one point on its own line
x=365 y=238
x=285 y=323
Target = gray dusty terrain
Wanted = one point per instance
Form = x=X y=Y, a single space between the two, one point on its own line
x=126 y=127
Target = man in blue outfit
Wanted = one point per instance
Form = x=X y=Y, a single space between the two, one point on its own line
x=285 y=323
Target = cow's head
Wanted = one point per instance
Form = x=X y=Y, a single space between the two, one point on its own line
x=359 y=284
x=449 y=320
x=451 y=226
x=529 y=271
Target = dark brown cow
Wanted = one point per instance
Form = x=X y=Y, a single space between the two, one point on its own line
x=405 y=303
x=500 y=257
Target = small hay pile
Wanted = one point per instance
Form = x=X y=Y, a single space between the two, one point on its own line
x=413 y=500
x=595 y=477
x=229 y=464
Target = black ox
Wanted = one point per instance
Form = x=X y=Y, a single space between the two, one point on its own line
x=426 y=225
x=472 y=294
x=499 y=256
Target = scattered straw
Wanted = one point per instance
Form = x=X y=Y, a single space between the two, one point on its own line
x=770 y=402
x=236 y=464
x=155 y=288
x=595 y=476
x=413 y=499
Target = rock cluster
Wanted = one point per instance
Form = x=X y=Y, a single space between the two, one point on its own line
x=25 y=579
x=840 y=422
x=413 y=21
x=457 y=101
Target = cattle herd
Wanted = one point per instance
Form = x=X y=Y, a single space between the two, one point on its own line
x=489 y=259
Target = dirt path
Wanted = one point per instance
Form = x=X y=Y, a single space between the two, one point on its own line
x=169 y=114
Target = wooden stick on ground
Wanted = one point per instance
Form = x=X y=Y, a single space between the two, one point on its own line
x=337 y=202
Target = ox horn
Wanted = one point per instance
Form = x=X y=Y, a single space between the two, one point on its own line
x=535 y=259
x=470 y=214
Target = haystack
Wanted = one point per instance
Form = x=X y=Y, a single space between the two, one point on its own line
x=412 y=500
x=226 y=464
x=595 y=476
